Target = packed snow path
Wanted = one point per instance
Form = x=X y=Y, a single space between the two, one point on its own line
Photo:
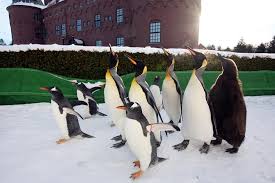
x=29 y=153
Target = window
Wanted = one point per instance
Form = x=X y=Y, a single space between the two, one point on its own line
x=120 y=41
x=110 y=18
x=98 y=43
x=155 y=32
x=63 y=29
x=119 y=15
x=97 y=21
x=57 y=29
x=78 y=25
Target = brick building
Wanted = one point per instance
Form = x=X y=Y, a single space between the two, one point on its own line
x=167 y=23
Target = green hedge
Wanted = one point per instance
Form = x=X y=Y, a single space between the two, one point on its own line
x=92 y=65
x=19 y=85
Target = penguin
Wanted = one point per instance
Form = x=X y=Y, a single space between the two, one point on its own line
x=115 y=95
x=140 y=92
x=171 y=92
x=155 y=89
x=228 y=106
x=140 y=137
x=85 y=94
x=65 y=115
x=196 y=114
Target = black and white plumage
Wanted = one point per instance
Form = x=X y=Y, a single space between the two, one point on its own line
x=196 y=114
x=171 y=92
x=155 y=89
x=65 y=115
x=140 y=136
x=115 y=95
x=140 y=92
x=85 y=94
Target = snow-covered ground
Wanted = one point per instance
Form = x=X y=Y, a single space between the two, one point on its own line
x=29 y=153
x=146 y=50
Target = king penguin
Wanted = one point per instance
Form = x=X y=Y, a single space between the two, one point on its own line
x=196 y=115
x=115 y=95
x=155 y=89
x=140 y=92
x=85 y=94
x=171 y=92
x=228 y=106
x=65 y=115
x=140 y=137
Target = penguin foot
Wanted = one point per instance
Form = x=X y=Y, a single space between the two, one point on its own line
x=181 y=146
x=61 y=141
x=136 y=175
x=215 y=142
x=119 y=144
x=232 y=150
x=137 y=163
x=204 y=148
x=112 y=125
x=117 y=138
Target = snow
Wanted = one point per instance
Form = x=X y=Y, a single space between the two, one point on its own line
x=146 y=50
x=28 y=4
x=29 y=153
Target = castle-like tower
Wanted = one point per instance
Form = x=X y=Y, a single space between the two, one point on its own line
x=167 y=23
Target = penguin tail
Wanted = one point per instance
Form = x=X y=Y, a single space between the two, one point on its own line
x=101 y=114
x=161 y=159
x=85 y=135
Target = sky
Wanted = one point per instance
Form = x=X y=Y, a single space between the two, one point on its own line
x=222 y=22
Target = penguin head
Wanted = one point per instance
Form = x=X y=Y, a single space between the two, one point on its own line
x=54 y=91
x=140 y=67
x=79 y=85
x=169 y=56
x=229 y=67
x=200 y=60
x=133 y=110
x=157 y=81
x=113 y=59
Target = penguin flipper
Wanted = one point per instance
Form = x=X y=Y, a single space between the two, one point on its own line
x=78 y=102
x=96 y=88
x=71 y=111
x=85 y=135
x=101 y=114
x=157 y=127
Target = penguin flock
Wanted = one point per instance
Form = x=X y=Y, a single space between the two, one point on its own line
x=207 y=117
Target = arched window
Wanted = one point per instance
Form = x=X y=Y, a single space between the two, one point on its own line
x=155 y=32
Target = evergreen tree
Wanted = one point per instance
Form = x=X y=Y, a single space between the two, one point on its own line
x=211 y=47
x=271 y=47
x=241 y=47
x=261 y=48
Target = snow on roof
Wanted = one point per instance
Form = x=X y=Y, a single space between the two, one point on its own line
x=29 y=4
x=146 y=50
x=53 y=2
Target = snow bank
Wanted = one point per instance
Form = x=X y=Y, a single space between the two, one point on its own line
x=29 y=4
x=146 y=50
x=29 y=153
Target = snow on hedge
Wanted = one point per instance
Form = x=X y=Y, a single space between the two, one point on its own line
x=146 y=50
x=29 y=5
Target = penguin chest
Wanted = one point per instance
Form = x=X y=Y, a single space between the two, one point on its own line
x=171 y=99
x=60 y=119
x=157 y=95
x=80 y=96
x=136 y=94
x=112 y=99
x=138 y=143
x=197 y=122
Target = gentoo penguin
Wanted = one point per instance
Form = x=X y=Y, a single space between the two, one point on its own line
x=85 y=94
x=196 y=115
x=65 y=115
x=171 y=92
x=155 y=89
x=228 y=106
x=140 y=137
x=115 y=95
x=140 y=92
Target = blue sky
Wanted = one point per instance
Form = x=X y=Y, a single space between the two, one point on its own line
x=223 y=22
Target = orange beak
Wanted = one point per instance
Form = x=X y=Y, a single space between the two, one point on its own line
x=44 y=88
x=131 y=59
x=121 y=107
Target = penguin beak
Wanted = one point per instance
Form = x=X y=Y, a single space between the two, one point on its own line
x=44 y=88
x=131 y=59
x=121 y=107
x=193 y=53
x=110 y=46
